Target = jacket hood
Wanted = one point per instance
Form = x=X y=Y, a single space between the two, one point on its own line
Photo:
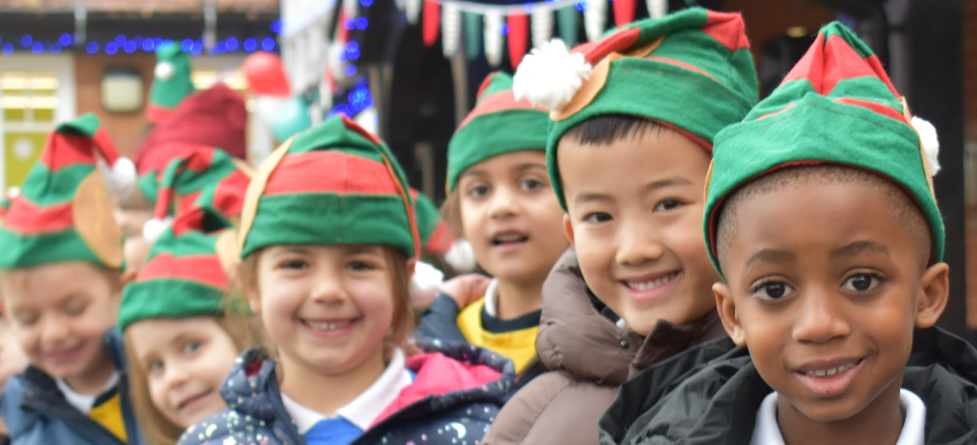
x=717 y=400
x=577 y=337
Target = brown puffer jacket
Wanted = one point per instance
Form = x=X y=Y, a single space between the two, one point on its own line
x=588 y=357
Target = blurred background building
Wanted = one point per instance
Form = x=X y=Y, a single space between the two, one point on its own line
x=409 y=70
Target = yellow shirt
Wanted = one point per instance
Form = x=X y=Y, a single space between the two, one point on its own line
x=109 y=415
x=519 y=344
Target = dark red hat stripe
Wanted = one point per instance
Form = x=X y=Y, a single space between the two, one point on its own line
x=229 y=194
x=841 y=62
x=302 y=173
x=728 y=29
x=681 y=64
x=26 y=218
x=203 y=269
x=503 y=100
x=62 y=150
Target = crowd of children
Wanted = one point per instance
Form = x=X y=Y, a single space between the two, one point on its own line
x=670 y=261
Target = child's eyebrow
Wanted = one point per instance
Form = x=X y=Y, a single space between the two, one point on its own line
x=529 y=165
x=769 y=256
x=857 y=247
x=584 y=198
x=662 y=183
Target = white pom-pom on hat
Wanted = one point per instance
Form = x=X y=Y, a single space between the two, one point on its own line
x=155 y=227
x=425 y=283
x=461 y=256
x=930 y=142
x=164 y=70
x=551 y=75
x=121 y=177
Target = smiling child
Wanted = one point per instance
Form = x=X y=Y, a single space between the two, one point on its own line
x=326 y=265
x=821 y=217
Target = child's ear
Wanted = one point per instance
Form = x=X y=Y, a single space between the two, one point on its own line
x=568 y=228
x=934 y=290
x=253 y=298
x=129 y=276
x=411 y=266
x=727 y=313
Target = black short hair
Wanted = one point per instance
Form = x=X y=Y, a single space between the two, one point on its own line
x=607 y=128
x=903 y=206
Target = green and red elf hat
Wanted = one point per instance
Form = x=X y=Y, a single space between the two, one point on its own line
x=171 y=82
x=691 y=71
x=435 y=235
x=333 y=184
x=64 y=211
x=498 y=124
x=187 y=271
x=206 y=177
x=836 y=106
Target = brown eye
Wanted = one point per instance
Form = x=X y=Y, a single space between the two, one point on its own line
x=773 y=291
x=862 y=283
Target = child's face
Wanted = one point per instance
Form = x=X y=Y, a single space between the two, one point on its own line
x=635 y=219
x=59 y=313
x=328 y=308
x=185 y=361
x=825 y=286
x=135 y=247
x=511 y=217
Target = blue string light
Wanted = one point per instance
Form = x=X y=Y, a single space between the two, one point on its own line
x=26 y=41
x=186 y=45
x=366 y=3
x=361 y=23
x=196 y=48
x=111 y=48
x=349 y=24
x=505 y=29
x=91 y=47
x=130 y=47
x=529 y=7
x=276 y=26
x=231 y=44
x=65 y=39
x=121 y=43
x=581 y=6
x=8 y=48
x=268 y=44
x=37 y=47
x=250 y=45
x=148 y=45
x=55 y=48
x=120 y=39
x=350 y=70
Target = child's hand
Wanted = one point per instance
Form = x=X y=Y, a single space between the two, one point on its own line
x=466 y=289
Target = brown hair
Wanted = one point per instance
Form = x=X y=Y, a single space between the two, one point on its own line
x=245 y=332
x=451 y=213
x=18 y=277
x=134 y=200
x=403 y=316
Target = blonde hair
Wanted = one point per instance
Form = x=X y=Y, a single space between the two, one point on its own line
x=245 y=331
x=403 y=316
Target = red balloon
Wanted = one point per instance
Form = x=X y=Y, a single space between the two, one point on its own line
x=266 y=75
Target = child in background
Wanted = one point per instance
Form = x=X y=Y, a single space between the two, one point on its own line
x=60 y=270
x=180 y=338
x=500 y=200
x=628 y=155
x=821 y=216
x=326 y=265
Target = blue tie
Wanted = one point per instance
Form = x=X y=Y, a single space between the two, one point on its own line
x=337 y=431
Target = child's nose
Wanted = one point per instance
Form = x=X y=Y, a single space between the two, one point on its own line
x=328 y=288
x=636 y=245
x=53 y=331
x=503 y=203
x=820 y=318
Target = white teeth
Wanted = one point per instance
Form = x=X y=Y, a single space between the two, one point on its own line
x=646 y=285
x=509 y=237
x=830 y=372
x=327 y=325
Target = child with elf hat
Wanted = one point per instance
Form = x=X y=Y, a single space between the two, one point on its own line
x=634 y=117
x=60 y=267
x=326 y=265
x=181 y=335
x=500 y=201
x=821 y=218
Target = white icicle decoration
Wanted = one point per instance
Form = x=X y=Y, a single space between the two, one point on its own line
x=657 y=8
x=413 y=10
x=493 y=38
x=450 y=28
x=351 y=8
x=542 y=20
x=930 y=141
x=594 y=18
x=550 y=75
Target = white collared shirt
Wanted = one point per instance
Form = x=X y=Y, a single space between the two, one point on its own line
x=84 y=402
x=767 y=430
x=365 y=408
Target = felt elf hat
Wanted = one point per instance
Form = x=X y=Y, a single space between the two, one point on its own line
x=205 y=177
x=171 y=82
x=836 y=106
x=498 y=124
x=215 y=117
x=364 y=198
x=64 y=212
x=433 y=230
x=690 y=71
x=186 y=273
